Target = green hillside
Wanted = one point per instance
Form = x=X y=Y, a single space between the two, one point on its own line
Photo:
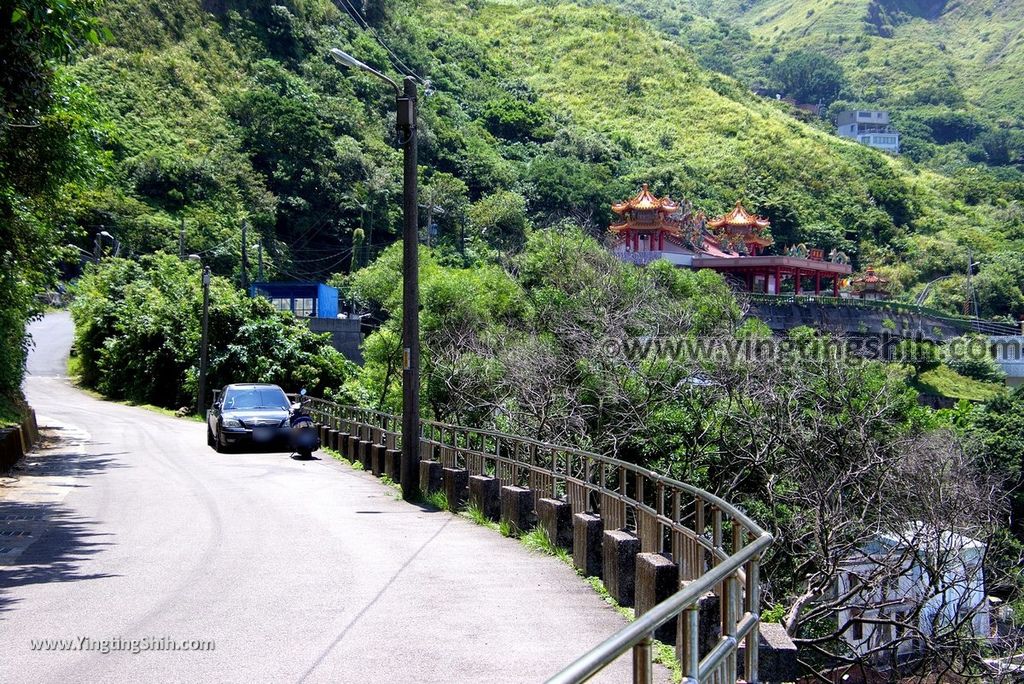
x=949 y=71
x=537 y=113
x=974 y=46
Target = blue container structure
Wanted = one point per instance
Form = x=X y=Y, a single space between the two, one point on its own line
x=305 y=300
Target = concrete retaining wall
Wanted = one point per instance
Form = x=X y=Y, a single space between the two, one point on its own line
x=850 y=320
x=16 y=442
x=346 y=335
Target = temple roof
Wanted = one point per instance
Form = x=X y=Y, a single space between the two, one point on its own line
x=739 y=217
x=645 y=200
x=870 y=278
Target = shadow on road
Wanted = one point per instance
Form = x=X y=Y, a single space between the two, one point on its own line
x=42 y=540
x=64 y=541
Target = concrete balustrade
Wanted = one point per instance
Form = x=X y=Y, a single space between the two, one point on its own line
x=619 y=551
x=555 y=518
x=430 y=477
x=587 y=532
x=393 y=464
x=657 y=578
x=377 y=459
x=517 y=508
x=485 y=495
x=776 y=655
x=624 y=492
x=456 y=486
x=15 y=443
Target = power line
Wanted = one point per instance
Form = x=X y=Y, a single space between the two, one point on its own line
x=365 y=25
x=217 y=246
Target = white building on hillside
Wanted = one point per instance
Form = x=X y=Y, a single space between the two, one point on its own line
x=1009 y=354
x=912 y=584
x=870 y=128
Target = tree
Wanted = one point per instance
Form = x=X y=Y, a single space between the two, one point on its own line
x=137 y=334
x=500 y=220
x=47 y=141
x=809 y=76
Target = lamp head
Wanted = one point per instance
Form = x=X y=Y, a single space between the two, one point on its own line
x=347 y=60
x=106 y=234
x=195 y=257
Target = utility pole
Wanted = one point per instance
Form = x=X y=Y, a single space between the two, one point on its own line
x=259 y=261
x=410 y=296
x=406 y=103
x=204 y=342
x=181 y=240
x=205 y=345
x=245 y=258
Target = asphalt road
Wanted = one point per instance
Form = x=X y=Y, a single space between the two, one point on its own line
x=130 y=528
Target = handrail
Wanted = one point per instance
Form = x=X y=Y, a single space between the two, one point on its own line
x=713 y=543
x=593 y=661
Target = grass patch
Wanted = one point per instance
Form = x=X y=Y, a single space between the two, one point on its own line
x=74 y=367
x=474 y=513
x=438 y=500
x=73 y=375
x=386 y=479
x=337 y=455
x=946 y=382
x=537 y=540
x=507 y=529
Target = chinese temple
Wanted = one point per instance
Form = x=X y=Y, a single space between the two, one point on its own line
x=870 y=285
x=651 y=228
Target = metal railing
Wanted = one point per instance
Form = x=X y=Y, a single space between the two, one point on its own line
x=715 y=546
x=964 y=323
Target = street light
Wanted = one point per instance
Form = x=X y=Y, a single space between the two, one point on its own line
x=406 y=106
x=113 y=241
x=204 y=343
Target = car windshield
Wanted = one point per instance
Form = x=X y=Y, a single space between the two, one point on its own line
x=256 y=398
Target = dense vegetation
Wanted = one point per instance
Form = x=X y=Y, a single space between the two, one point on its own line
x=47 y=147
x=946 y=70
x=823 y=450
x=946 y=73
x=137 y=335
x=236 y=114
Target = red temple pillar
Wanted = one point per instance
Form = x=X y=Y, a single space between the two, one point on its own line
x=767 y=274
x=835 y=285
x=636 y=241
x=796 y=281
x=817 y=283
x=778 y=280
x=661 y=241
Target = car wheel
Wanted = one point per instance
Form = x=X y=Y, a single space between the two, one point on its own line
x=209 y=437
x=218 y=443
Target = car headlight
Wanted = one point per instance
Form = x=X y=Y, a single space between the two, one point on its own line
x=232 y=423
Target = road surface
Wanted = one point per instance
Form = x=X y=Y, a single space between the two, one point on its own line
x=129 y=528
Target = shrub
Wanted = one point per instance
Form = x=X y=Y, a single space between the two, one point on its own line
x=138 y=335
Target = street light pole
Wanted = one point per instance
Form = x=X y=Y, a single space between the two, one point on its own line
x=204 y=342
x=406 y=102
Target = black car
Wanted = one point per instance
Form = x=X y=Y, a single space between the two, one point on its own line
x=255 y=414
